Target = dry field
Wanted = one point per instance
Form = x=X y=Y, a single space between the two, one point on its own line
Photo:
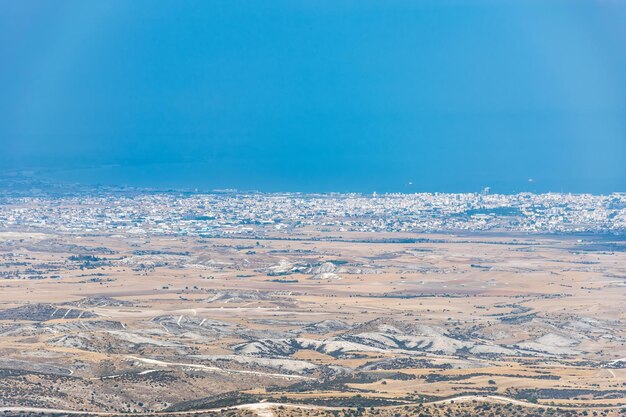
x=385 y=325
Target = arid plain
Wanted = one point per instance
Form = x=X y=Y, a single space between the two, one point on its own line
x=320 y=323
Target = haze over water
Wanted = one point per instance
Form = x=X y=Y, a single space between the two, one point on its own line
x=317 y=96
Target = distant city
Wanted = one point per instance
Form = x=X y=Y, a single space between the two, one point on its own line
x=259 y=214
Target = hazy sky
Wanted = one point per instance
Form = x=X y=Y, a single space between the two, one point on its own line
x=317 y=95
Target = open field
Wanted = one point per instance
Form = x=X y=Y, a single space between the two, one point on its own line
x=116 y=323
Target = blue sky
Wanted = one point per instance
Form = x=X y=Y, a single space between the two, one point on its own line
x=317 y=95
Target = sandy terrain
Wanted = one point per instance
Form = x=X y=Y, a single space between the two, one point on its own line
x=107 y=323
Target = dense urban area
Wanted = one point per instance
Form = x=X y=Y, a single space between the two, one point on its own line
x=231 y=213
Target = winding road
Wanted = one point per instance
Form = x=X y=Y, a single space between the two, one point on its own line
x=265 y=409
